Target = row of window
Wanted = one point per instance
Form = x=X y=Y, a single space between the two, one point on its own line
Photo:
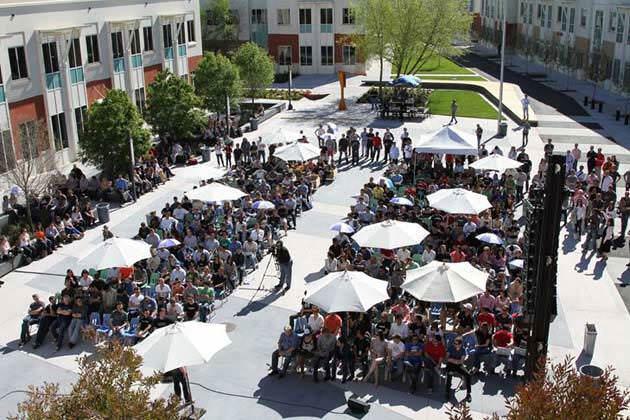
x=306 y=55
x=259 y=16
x=17 y=55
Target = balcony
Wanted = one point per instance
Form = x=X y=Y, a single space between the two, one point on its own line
x=136 y=61
x=3 y=97
x=53 y=81
x=306 y=28
x=76 y=75
x=168 y=53
x=181 y=50
x=326 y=28
x=119 y=65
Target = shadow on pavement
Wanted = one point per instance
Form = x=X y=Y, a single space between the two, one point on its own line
x=257 y=305
x=314 y=276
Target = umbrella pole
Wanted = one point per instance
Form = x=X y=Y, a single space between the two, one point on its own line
x=413 y=156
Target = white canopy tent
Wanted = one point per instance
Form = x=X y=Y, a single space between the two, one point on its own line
x=297 y=152
x=281 y=135
x=448 y=140
x=115 y=252
x=496 y=162
x=215 y=192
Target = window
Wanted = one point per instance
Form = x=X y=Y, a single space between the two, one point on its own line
x=93 y=55
x=559 y=16
x=74 y=54
x=190 y=29
x=134 y=40
x=597 y=34
x=28 y=140
x=539 y=11
x=167 y=35
x=140 y=99
x=7 y=154
x=181 y=34
x=259 y=16
x=530 y=14
x=147 y=34
x=80 y=115
x=284 y=55
x=305 y=21
x=549 y=13
x=523 y=14
x=612 y=22
x=306 y=56
x=349 y=55
x=17 y=60
x=284 y=16
x=616 y=70
x=347 y=16
x=563 y=18
x=51 y=59
x=621 y=23
x=117 y=45
x=327 y=55
x=60 y=134
x=326 y=16
x=572 y=20
x=583 y=16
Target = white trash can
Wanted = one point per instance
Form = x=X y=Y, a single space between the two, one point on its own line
x=590 y=334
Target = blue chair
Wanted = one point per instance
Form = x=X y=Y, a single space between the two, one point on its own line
x=104 y=329
x=129 y=335
x=95 y=320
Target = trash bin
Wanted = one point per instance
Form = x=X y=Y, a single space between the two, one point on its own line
x=502 y=129
x=102 y=209
x=590 y=334
x=253 y=124
x=591 y=371
x=205 y=154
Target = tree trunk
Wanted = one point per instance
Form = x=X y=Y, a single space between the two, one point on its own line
x=29 y=216
x=380 y=79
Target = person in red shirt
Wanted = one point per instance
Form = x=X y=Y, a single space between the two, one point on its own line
x=457 y=255
x=501 y=339
x=332 y=323
x=434 y=354
x=377 y=144
x=486 y=316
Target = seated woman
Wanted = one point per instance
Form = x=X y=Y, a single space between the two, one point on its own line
x=5 y=249
x=378 y=356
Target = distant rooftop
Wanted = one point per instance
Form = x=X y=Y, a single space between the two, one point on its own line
x=17 y=3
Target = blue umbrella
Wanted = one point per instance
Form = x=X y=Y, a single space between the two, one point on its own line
x=263 y=205
x=407 y=81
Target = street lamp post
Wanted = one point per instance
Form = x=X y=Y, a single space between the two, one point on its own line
x=502 y=68
x=290 y=107
x=132 y=167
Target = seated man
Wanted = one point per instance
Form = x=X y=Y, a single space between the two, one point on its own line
x=35 y=310
x=118 y=321
x=145 y=325
x=502 y=341
x=191 y=308
x=287 y=344
x=413 y=361
x=483 y=346
x=455 y=364
x=434 y=353
x=396 y=356
x=326 y=345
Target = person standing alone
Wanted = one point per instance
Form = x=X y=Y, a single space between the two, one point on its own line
x=453 y=112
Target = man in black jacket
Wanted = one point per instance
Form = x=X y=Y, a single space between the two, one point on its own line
x=286 y=263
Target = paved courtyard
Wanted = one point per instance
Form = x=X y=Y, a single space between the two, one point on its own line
x=238 y=387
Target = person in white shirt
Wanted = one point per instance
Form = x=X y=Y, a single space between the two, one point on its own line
x=178 y=273
x=153 y=239
x=250 y=249
x=315 y=321
x=394 y=153
x=399 y=328
x=428 y=255
x=85 y=280
x=167 y=222
x=135 y=300
x=257 y=234
x=469 y=228
x=179 y=213
x=403 y=254
x=525 y=104
x=162 y=290
x=174 y=310
x=408 y=153
x=607 y=181
x=396 y=356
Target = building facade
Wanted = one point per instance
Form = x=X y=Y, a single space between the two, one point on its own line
x=58 y=57
x=590 y=38
x=313 y=36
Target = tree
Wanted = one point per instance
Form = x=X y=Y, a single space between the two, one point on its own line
x=110 y=386
x=597 y=70
x=105 y=139
x=219 y=21
x=216 y=80
x=32 y=173
x=558 y=391
x=255 y=67
x=423 y=28
x=374 y=36
x=172 y=107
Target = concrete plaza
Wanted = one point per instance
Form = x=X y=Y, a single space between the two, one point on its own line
x=236 y=377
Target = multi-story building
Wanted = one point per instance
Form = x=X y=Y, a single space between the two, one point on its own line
x=313 y=36
x=57 y=57
x=588 y=37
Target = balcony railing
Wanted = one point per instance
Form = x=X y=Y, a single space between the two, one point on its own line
x=326 y=28
x=76 y=75
x=3 y=98
x=168 y=53
x=119 y=65
x=53 y=81
x=136 y=61
x=181 y=50
x=306 y=28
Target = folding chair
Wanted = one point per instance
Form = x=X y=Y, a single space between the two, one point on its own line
x=129 y=335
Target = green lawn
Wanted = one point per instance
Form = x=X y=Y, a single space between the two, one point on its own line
x=441 y=65
x=470 y=104
x=460 y=77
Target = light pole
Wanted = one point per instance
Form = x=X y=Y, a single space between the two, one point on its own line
x=133 y=165
x=502 y=68
x=290 y=107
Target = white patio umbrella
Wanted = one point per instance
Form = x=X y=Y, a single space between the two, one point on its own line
x=342 y=227
x=279 y=136
x=401 y=201
x=390 y=234
x=346 y=291
x=115 y=252
x=215 y=192
x=263 y=205
x=490 y=238
x=297 y=152
x=168 y=243
x=496 y=162
x=458 y=201
x=518 y=263
x=182 y=344
x=203 y=171
x=445 y=282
